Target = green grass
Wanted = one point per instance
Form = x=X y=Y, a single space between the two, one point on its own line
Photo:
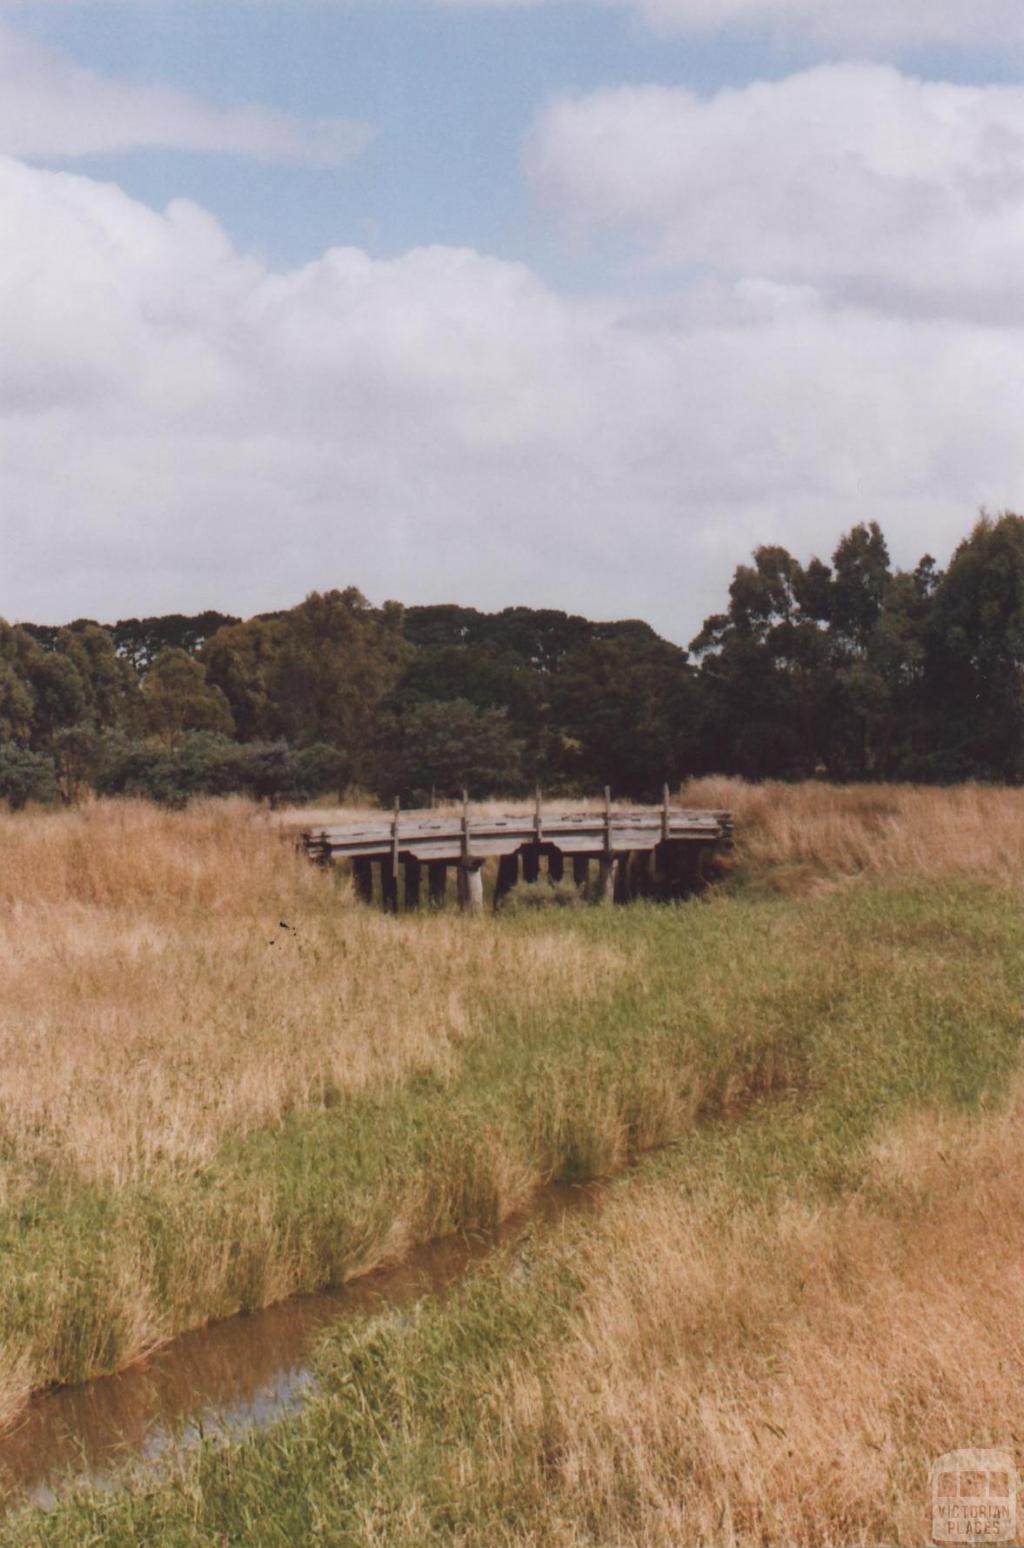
x=763 y=1043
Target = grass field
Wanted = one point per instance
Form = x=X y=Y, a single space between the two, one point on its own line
x=766 y=1334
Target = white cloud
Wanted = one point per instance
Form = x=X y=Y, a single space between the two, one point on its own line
x=181 y=427
x=51 y=108
x=854 y=179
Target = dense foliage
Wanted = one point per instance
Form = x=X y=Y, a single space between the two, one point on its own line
x=850 y=669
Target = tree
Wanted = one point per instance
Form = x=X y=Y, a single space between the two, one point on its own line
x=337 y=662
x=25 y=776
x=861 y=577
x=240 y=660
x=626 y=712
x=974 y=672
x=177 y=698
x=763 y=669
x=450 y=746
x=110 y=688
x=16 y=698
x=140 y=640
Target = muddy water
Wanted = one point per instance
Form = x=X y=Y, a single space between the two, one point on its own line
x=228 y=1377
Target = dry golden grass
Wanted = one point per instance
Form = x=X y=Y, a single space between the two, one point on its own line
x=802 y=834
x=152 y=1004
x=786 y=1377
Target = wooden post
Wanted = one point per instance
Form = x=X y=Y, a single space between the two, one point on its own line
x=471 y=878
x=665 y=815
x=538 y=821
x=413 y=874
x=508 y=876
x=388 y=886
x=531 y=863
x=437 y=881
x=362 y=879
x=623 y=887
x=556 y=865
x=581 y=870
x=678 y=866
x=609 y=866
x=694 y=879
x=608 y=876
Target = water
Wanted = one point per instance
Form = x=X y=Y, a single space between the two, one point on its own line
x=227 y=1377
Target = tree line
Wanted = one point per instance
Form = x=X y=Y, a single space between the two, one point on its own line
x=848 y=669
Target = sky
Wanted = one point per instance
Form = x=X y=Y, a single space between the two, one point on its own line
x=562 y=303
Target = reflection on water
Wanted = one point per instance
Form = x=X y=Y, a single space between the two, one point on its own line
x=243 y=1372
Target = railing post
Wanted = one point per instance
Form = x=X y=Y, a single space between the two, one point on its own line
x=609 y=866
x=471 y=873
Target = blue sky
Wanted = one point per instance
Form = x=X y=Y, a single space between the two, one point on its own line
x=450 y=93
x=549 y=275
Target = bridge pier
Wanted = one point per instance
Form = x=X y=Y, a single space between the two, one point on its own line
x=694 y=871
x=413 y=880
x=388 y=886
x=362 y=879
x=581 y=870
x=556 y=865
x=607 y=878
x=643 y=879
x=437 y=881
x=471 y=886
x=508 y=876
x=531 y=863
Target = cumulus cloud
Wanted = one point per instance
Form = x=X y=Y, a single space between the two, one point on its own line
x=52 y=108
x=180 y=426
x=855 y=179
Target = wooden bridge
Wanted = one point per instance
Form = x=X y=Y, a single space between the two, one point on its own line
x=638 y=851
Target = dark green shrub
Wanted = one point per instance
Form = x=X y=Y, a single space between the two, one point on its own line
x=25 y=776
